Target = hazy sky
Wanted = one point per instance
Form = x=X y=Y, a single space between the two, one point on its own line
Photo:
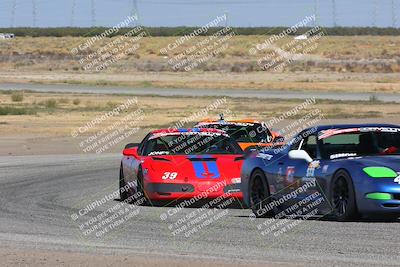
x=57 y=13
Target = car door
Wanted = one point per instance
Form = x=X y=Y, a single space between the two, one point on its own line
x=306 y=174
x=282 y=169
x=273 y=165
x=285 y=173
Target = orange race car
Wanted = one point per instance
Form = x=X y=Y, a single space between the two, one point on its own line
x=248 y=133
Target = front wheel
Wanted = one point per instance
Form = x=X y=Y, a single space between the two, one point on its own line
x=123 y=194
x=343 y=197
x=144 y=200
x=259 y=195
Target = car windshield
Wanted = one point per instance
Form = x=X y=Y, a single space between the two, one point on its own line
x=360 y=143
x=246 y=133
x=191 y=143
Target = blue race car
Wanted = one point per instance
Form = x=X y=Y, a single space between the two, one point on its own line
x=348 y=170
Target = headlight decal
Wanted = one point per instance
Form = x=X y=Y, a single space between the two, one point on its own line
x=379 y=196
x=380 y=172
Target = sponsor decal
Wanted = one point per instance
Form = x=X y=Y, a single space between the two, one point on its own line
x=290 y=174
x=162 y=134
x=226 y=123
x=230 y=191
x=311 y=168
x=342 y=155
x=331 y=132
x=155 y=153
x=397 y=179
x=236 y=180
x=264 y=156
x=380 y=129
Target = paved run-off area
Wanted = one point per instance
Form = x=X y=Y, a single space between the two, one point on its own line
x=182 y=92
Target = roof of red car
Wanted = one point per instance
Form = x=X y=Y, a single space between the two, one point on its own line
x=185 y=130
x=229 y=121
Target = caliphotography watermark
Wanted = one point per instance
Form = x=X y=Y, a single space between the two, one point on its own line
x=101 y=216
x=201 y=51
x=107 y=33
x=300 y=201
x=219 y=104
x=187 y=224
x=282 y=50
x=111 y=128
x=113 y=51
x=300 y=117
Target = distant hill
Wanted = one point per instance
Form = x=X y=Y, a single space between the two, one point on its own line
x=179 y=31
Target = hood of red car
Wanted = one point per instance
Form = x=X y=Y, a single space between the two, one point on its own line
x=187 y=167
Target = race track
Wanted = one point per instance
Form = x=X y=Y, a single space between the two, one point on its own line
x=185 y=92
x=39 y=194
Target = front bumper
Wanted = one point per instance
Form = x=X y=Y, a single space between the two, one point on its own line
x=379 y=206
x=200 y=190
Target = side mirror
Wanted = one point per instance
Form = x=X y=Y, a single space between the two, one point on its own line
x=130 y=145
x=300 y=154
x=130 y=152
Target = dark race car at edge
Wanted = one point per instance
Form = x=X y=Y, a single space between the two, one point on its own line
x=355 y=168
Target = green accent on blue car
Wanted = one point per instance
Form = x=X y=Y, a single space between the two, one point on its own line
x=380 y=172
x=379 y=196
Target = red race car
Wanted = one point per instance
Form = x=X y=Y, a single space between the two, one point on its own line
x=182 y=164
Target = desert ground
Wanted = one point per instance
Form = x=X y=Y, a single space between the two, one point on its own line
x=43 y=123
x=367 y=64
x=44 y=129
x=338 y=63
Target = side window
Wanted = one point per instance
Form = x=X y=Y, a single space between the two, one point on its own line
x=149 y=146
x=142 y=144
x=310 y=145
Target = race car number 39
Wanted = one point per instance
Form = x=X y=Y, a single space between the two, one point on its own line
x=169 y=175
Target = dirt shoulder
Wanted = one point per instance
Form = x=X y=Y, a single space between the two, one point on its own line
x=32 y=257
x=29 y=144
x=34 y=123
x=339 y=82
x=336 y=63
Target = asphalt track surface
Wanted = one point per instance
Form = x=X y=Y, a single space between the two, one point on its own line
x=236 y=93
x=40 y=194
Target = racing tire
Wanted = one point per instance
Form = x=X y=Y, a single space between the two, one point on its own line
x=123 y=195
x=259 y=195
x=145 y=201
x=343 y=197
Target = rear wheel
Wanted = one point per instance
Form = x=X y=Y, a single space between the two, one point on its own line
x=259 y=195
x=343 y=197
